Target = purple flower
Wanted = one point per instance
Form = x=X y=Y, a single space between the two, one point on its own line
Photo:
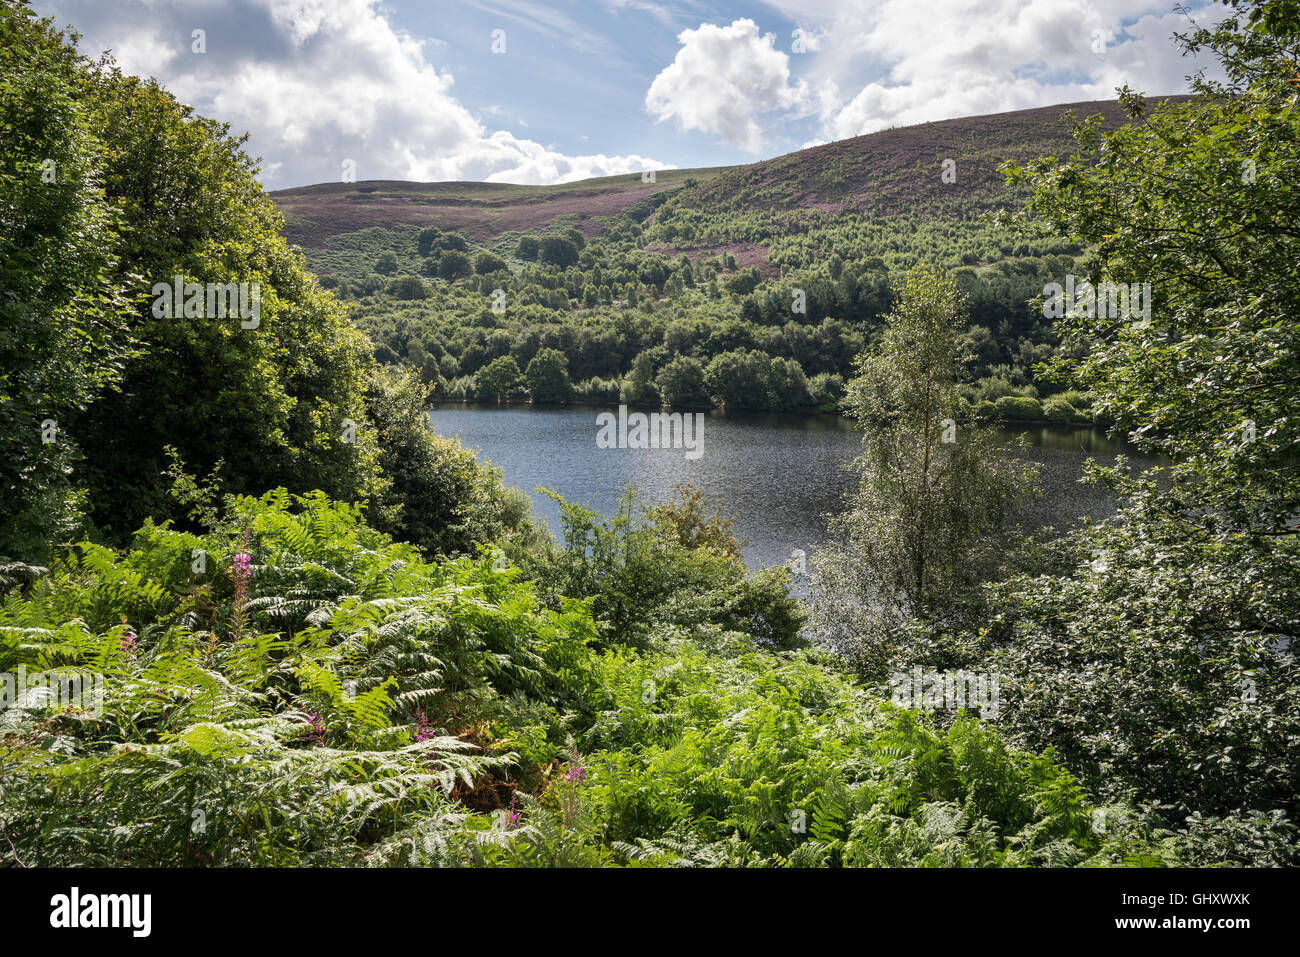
x=576 y=771
x=423 y=732
x=317 y=727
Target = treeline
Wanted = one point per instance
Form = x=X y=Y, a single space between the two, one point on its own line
x=621 y=314
x=109 y=186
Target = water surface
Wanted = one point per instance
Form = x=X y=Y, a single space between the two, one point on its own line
x=776 y=475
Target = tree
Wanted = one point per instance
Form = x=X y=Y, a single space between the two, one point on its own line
x=548 y=377
x=738 y=379
x=787 y=386
x=407 y=287
x=454 y=264
x=427 y=239
x=62 y=331
x=276 y=393
x=936 y=493
x=499 y=378
x=386 y=264
x=639 y=384
x=487 y=262
x=681 y=382
x=1181 y=608
x=1211 y=378
x=440 y=497
x=743 y=283
x=527 y=248
x=558 y=251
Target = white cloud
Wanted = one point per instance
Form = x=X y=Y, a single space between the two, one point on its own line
x=723 y=80
x=318 y=82
x=898 y=62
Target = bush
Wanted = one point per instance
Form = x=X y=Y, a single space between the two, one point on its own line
x=407 y=287
x=487 y=262
x=1018 y=408
x=1059 y=412
x=454 y=264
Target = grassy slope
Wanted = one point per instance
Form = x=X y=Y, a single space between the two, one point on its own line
x=893 y=171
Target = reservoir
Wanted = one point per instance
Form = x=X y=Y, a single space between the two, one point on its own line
x=776 y=475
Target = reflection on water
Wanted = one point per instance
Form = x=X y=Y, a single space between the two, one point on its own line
x=776 y=475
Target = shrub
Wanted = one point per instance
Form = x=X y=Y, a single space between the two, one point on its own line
x=487 y=262
x=1058 y=411
x=407 y=287
x=1018 y=408
x=454 y=264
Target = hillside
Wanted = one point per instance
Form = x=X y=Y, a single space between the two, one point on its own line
x=750 y=287
x=481 y=211
x=892 y=171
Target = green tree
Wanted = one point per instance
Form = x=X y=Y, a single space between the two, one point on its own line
x=427 y=240
x=454 y=264
x=407 y=287
x=738 y=379
x=386 y=264
x=681 y=382
x=1209 y=377
x=548 y=377
x=558 y=251
x=639 y=384
x=62 y=335
x=787 y=386
x=439 y=496
x=275 y=393
x=936 y=494
x=499 y=378
x=1181 y=608
x=527 y=248
x=487 y=262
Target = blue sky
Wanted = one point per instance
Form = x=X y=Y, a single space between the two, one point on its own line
x=406 y=89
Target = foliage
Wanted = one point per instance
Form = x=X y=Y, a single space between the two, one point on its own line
x=60 y=302
x=647 y=565
x=935 y=505
x=333 y=732
x=382 y=710
x=547 y=377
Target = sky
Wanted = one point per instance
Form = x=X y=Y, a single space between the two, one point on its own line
x=521 y=91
